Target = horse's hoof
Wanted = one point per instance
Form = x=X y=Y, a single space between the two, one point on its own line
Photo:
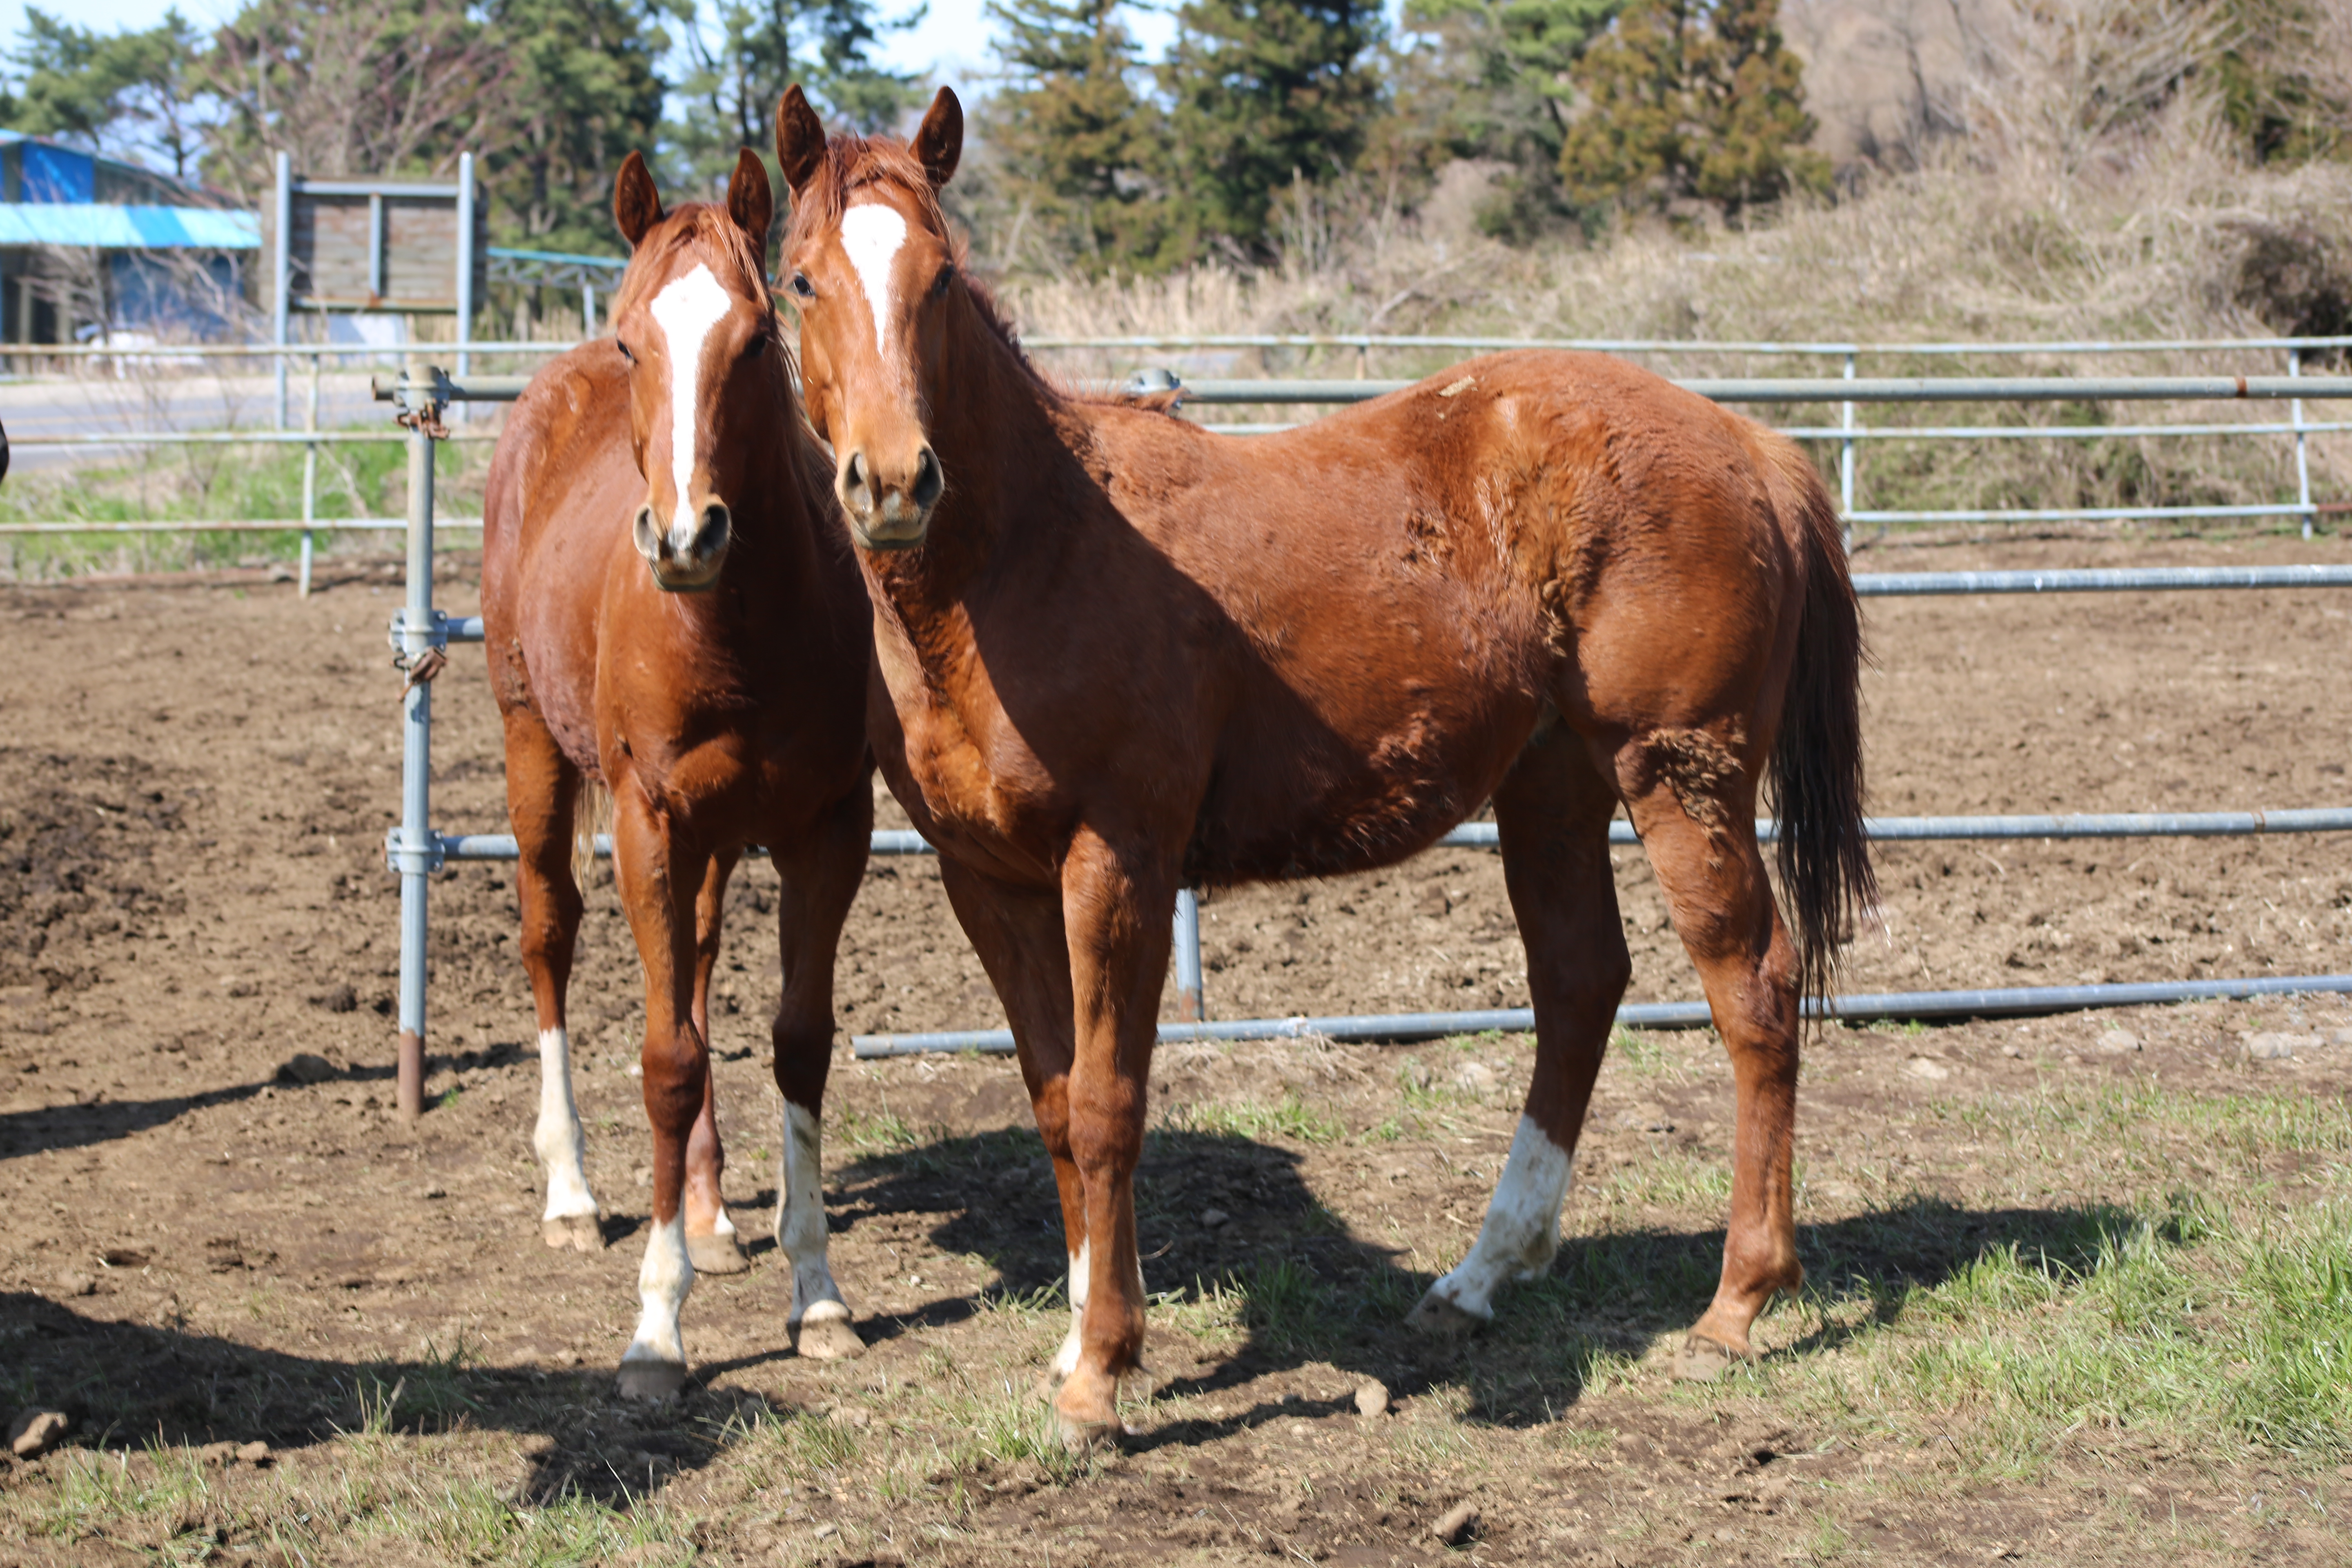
x=1085 y=1434
x=652 y=1382
x=1440 y=1318
x=828 y=1339
x=580 y=1231
x=717 y=1253
x=1703 y=1360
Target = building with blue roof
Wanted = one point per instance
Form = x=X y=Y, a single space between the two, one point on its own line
x=92 y=246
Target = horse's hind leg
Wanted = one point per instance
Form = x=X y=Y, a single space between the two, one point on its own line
x=710 y=1234
x=542 y=793
x=1552 y=812
x=1692 y=796
x=819 y=874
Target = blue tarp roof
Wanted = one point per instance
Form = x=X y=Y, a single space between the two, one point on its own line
x=95 y=227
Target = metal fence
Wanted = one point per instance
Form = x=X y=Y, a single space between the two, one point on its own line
x=416 y=850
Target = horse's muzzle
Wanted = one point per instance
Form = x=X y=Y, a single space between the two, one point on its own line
x=890 y=511
x=690 y=567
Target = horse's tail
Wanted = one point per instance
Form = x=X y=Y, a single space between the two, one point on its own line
x=592 y=816
x=1816 y=766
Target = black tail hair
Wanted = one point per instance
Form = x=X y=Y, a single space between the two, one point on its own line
x=1816 y=768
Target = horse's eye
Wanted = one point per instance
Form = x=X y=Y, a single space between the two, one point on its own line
x=625 y=350
x=939 y=284
x=803 y=286
x=757 y=346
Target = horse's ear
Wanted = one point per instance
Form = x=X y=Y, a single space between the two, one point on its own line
x=939 y=145
x=636 y=206
x=800 y=140
x=751 y=200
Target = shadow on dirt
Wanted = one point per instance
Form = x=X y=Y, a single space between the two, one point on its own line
x=129 y=1384
x=77 y=1126
x=1309 y=1292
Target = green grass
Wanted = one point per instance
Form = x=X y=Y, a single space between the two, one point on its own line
x=226 y=483
x=1289 y=1117
x=2205 y=1327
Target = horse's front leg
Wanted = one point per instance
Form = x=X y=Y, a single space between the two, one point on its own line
x=820 y=876
x=659 y=877
x=1118 y=908
x=1018 y=933
x=710 y=1234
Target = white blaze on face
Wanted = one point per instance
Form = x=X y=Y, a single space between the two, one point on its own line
x=686 y=310
x=662 y=1284
x=557 y=1139
x=800 y=1218
x=871 y=235
x=1522 y=1229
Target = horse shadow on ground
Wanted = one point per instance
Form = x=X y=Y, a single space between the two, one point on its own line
x=129 y=1386
x=1305 y=1293
x=1310 y=1292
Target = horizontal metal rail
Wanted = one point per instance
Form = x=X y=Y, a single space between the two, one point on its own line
x=236 y=438
x=1885 y=829
x=1360 y=340
x=2098 y=580
x=1865 y=389
x=2006 y=1002
x=1660 y=345
x=237 y=525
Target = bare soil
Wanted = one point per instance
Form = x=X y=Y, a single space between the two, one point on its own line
x=195 y=779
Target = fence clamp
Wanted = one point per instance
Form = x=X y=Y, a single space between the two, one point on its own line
x=421 y=400
x=420 y=651
x=419 y=859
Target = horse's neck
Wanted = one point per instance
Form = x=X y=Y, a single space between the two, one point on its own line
x=1014 y=482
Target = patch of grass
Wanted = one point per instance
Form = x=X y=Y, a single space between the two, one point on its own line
x=2181 y=1320
x=883 y=1131
x=1290 y=1117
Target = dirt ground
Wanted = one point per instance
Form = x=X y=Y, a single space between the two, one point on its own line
x=195 y=778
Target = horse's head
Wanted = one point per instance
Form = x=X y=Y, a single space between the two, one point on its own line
x=693 y=321
x=871 y=267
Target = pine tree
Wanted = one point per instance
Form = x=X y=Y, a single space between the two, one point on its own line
x=1691 y=99
x=744 y=53
x=1074 y=143
x=585 y=91
x=125 y=93
x=1490 y=78
x=1265 y=93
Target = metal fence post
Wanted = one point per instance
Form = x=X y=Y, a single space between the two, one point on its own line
x=283 y=263
x=421 y=633
x=1845 y=464
x=309 y=473
x=1190 y=1004
x=2302 y=452
x=465 y=270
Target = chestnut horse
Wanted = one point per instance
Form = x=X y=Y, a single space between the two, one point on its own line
x=672 y=613
x=1119 y=655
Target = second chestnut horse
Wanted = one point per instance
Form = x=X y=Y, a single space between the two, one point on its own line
x=1119 y=655
x=672 y=613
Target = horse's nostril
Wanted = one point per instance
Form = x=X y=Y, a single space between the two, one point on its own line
x=712 y=537
x=929 y=479
x=649 y=537
x=856 y=471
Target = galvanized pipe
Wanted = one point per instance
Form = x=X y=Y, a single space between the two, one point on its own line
x=1865 y=389
x=2006 y=1002
x=1189 y=1002
x=2099 y=580
x=237 y=525
x=1662 y=345
x=1881 y=829
x=414 y=851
